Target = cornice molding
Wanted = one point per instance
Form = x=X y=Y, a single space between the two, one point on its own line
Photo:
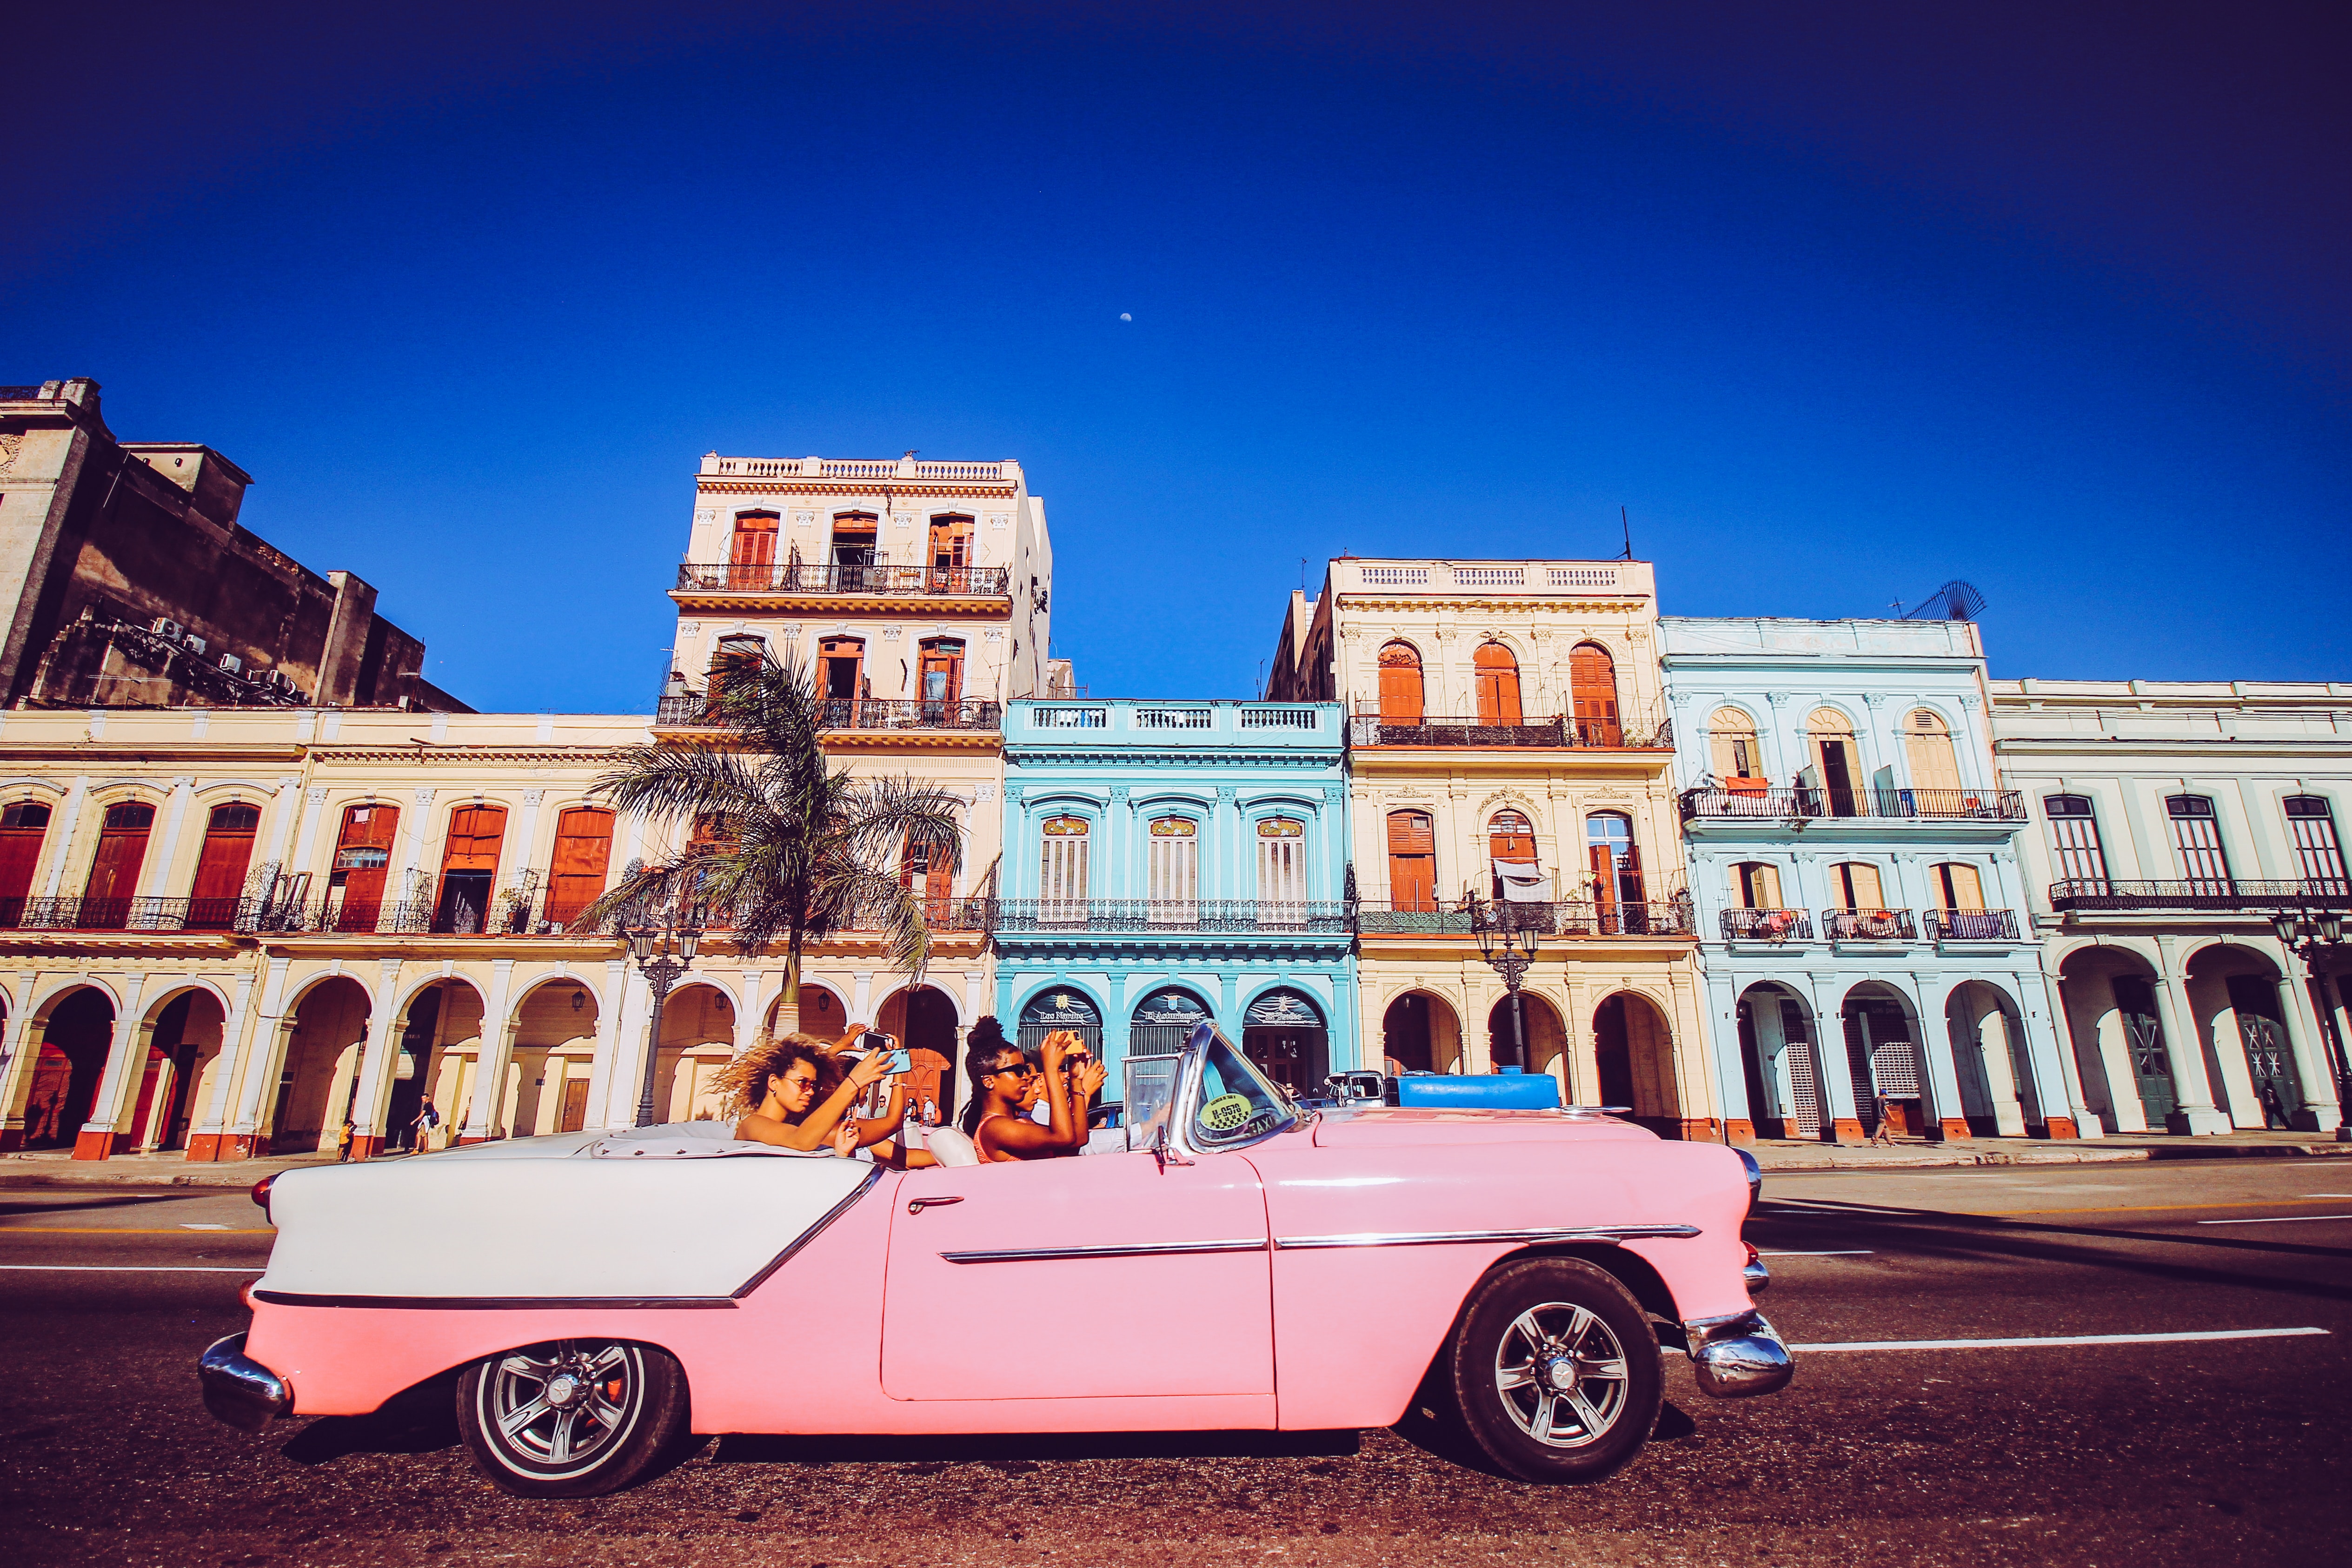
x=799 y=486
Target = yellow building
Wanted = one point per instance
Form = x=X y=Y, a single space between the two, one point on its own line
x=1508 y=743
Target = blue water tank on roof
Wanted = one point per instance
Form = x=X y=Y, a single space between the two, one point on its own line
x=1482 y=1091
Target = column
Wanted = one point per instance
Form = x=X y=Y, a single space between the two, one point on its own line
x=610 y=1000
x=747 y=1010
x=485 y=1110
x=2085 y=1122
x=20 y=1049
x=206 y=1132
x=155 y=874
x=1117 y=876
x=1947 y=1118
x=68 y=818
x=2318 y=1112
x=1829 y=1057
x=126 y=1057
x=1719 y=1001
x=2184 y=1051
x=313 y=799
x=265 y=1048
x=378 y=1061
x=286 y=805
x=624 y=1079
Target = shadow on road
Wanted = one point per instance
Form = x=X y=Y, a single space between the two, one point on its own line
x=1029 y=1451
x=423 y=1420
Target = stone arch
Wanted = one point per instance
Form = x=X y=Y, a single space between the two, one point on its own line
x=1780 y=1059
x=1887 y=1053
x=1286 y=1031
x=698 y=1038
x=2107 y=992
x=1547 y=1035
x=432 y=1023
x=929 y=1026
x=823 y=1010
x=1998 y=1094
x=2238 y=1002
x=1634 y=1051
x=75 y=1025
x=1420 y=1032
x=555 y=1022
x=183 y=1030
x=318 y=1078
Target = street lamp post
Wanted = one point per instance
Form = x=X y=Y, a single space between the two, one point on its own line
x=663 y=953
x=1510 y=948
x=2309 y=934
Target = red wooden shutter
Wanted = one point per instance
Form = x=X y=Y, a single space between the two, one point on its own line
x=114 y=871
x=475 y=834
x=22 y=829
x=1592 y=689
x=1629 y=875
x=1413 y=861
x=754 y=550
x=221 y=867
x=583 y=850
x=1498 y=685
x=1400 y=694
x=1604 y=877
x=363 y=855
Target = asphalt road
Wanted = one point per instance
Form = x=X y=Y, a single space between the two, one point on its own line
x=2130 y=1454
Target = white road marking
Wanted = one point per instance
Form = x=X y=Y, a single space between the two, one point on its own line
x=185 y=1225
x=2328 y=1195
x=2277 y=1219
x=2058 y=1340
x=100 y=1269
x=1858 y=1252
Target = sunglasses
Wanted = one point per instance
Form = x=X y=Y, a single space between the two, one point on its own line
x=1018 y=1069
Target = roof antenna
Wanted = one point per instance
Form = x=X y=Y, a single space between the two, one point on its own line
x=1628 y=522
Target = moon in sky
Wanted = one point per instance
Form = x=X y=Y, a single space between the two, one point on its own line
x=1125 y=316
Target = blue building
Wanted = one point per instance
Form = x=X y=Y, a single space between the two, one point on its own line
x=1862 y=916
x=1168 y=862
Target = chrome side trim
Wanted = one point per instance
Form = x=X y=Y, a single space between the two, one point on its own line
x=1449 y=1237
x=239 y=1390
x=492 y=1303
x=1147 y=1249
x=1738 y=1356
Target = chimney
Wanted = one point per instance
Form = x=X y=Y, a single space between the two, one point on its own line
x=347 y=635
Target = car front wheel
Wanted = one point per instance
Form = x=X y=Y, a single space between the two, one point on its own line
x=1554 y=1371
x=573 y=1417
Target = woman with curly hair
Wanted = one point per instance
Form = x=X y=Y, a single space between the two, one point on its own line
x=776 y=1084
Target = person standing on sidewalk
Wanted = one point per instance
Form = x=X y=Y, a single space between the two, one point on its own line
x=1884 y=1132
x=343 y=1141
x=428 y=1117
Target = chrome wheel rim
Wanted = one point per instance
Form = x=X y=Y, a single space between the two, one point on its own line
x=561 y=1408
x=1562 y=1375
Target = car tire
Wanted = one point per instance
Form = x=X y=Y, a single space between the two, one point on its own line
x=573 y=1417
x=1554 y=1371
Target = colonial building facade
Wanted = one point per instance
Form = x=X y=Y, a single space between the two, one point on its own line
x=1168 y=863
x=1862 y=916
x=2174 y=826
x=1507 y=743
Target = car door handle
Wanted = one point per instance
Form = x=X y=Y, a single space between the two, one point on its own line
x=918 y=1206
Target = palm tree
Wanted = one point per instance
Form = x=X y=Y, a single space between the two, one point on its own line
x=784 y=847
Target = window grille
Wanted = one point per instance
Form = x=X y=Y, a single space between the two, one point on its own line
x=2197 y=837
x=1174 y=874
x=1281 y=861
x=2318 y=856
x=1062 y=873
x=2075 y=838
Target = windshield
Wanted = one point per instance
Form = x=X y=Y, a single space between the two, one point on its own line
x=1237 y=1105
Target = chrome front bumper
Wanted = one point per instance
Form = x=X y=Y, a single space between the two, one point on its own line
x=240 y=1391
x=1738 y=1356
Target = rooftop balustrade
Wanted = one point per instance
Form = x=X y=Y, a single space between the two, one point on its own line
x=801 y=578
x=1753 y=800
x=716 y=467
x=1220 y=917
x=696 y=710
x=1571 y=917
x=1371 y=727
x=2208 y=896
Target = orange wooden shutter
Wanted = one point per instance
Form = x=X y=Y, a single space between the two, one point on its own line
x=1604 y=877
x=1400 y=693
x=1413 y=861
x=754 y=549
x=1510 y=836
x=583 y=850
x=1498 y=685
x=22 y=830
x=370 y=830
x=121 y=849
x=1629 y=875
x=1592 y=688
x=474 y=832
x=221 y=867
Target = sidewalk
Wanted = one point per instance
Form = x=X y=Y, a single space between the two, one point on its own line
x=1777 y=1154
x=51 y=1167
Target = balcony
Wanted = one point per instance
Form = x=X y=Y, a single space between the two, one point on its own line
x=1868 y=925
x=898 y=582
x=1767 y=925
x=1734 y=801
x=1969 y=925
x=136 y=915
x=905 y=467
x=1574 y=918
x=1139 y=916
x=1369 y=727
x=693 y=710
x=2213 y=896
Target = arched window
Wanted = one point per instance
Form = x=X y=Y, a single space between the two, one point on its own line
x=1400 y=693
x=2318 y=856
x=1957 y=886
x=2075 y=838
x=1593 y=693
x=1732 y=751
x=1173 y=884
x=1498 y=675
x=752 y=555
x=114 y=871
x=2197 y=838
x=942 y=677
x=1856 y=885
x=1282 y=862
x=1163 y=1021
x=950 y=554
x=1757 y=885
x=1837 y=765
x=583 y=851
x=733 y=654
x=221 y=866
x=1616 y=865
x=852 y=547
x=1413 y=861
x=363 y=854
x=840 y=666
x=469 y=867
x=1513 y=873
x=1934 y=768
x=1061 y=871
x=22 y=826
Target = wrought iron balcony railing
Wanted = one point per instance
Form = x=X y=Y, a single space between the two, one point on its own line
x=1868 y=925
x=2202 y=896
x=695 y=709
x=1767 y=925
x=1737 y=800
x=119 y=914
x=1377 y=917
x=1370 y=727
x=1146 y=916
x=1969 y=925
x=728 y=577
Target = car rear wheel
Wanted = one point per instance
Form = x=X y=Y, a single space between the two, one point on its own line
x=573 y=1417
x=1554 y=1371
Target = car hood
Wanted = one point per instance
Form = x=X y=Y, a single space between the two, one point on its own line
x=1388 y=1126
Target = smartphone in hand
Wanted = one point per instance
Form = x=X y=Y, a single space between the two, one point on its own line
x=902 y=1060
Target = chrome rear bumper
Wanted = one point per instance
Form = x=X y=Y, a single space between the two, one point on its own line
x=1738 y=1356
x=240 y=1391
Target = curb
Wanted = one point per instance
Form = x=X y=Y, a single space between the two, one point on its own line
x=2070 y=1157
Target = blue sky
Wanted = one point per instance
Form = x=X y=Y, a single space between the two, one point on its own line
x=1835 y=311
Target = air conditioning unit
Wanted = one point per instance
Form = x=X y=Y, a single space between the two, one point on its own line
x=195 y=645
x=231 y=663
x=281 y=681
x=168 y=630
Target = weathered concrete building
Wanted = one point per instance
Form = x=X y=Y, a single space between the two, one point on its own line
x=127 y=581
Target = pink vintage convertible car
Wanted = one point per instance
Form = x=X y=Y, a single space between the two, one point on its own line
x=1242 y=1263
